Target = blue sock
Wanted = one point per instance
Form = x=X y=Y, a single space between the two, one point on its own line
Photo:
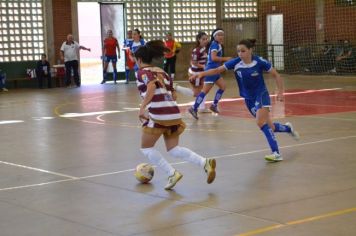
x=114 y=75
x=127 y=73
x=218 y=96
x=281 y=128
x=199 y=100
x=268 y=132
x=105 y=75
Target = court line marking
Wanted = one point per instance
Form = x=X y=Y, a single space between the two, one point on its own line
x=73 y=178
x=300 y=221
x=37 y=169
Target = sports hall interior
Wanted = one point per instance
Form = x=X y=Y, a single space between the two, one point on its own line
x=68 y=155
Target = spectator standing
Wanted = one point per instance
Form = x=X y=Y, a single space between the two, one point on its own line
x=109 y=54
x=171 y=57
x=70 y=55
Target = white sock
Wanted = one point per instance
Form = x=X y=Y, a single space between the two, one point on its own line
x=202 y=104
x=157 y=159
x=185 y=91
x=187 y=155
x=172 y=76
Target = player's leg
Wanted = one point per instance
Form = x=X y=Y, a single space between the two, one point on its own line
x=105 y=67
x=148 y=140
x=113 y=62
x=222 y=86
x=262 y=117
x=176 y=151
x=172 y=67
x=200 y=98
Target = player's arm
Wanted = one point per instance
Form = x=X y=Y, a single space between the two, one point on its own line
x=279 y=82
x=150 y=92
x=216 y=58
x=214 y=71
x=196 y=64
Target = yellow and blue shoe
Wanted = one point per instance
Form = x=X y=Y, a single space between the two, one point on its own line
x=274 y=157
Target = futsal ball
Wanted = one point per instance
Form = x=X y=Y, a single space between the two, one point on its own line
x=144 y=173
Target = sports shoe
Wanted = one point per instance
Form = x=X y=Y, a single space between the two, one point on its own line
x=274 y=157
x=103 y=82
x=193 y=113
x=172 y=180
x=293 y=133
x=209 y=168
x=214 y=108
x=5 y=89
x=204 y=110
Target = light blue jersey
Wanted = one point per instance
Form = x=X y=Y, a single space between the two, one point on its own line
x=250 y=76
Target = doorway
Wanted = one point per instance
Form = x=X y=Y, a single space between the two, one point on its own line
x=275 y=40
x=91 y=35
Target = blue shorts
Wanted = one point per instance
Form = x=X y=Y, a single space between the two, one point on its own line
x=261 y=100
x=211 y=79
x=110 y=58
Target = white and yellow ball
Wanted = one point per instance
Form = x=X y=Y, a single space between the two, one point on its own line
x=144 y=172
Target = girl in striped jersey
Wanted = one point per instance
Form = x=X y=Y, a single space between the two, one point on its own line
x=198 y=61
x=164 y=118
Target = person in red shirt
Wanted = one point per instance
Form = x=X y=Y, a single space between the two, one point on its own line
x=109 y=54
x=170 y=58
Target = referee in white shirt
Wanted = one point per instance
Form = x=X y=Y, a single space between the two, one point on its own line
x=70 y=55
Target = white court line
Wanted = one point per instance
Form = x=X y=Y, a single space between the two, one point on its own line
x=72 y=178
x=272 y=95
x=36 y=185
x=37 y=169
x=5 y=122
x=330 y=118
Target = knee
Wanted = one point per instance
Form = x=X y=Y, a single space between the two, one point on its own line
x=260 y=123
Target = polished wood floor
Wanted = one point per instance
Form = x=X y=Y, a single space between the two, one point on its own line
x=67 y=160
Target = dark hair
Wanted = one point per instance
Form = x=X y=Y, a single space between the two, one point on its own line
x=198 y=37
x=139 y=32
x=249 y=43
x=212 y=37
x=152 y=49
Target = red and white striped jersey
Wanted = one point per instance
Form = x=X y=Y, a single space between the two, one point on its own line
x=198 y=55
x=162 y=108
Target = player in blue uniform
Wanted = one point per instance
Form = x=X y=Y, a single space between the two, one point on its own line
x=215 y=59
x=135 y=44
x=248 y=69
x=126 y=49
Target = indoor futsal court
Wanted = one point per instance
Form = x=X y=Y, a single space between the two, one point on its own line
x=68 y=154
x=68 y=165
